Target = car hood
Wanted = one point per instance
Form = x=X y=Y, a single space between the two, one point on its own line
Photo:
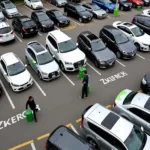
x=138 y=1
x=126 y=3
x=11 y=11
x=110 y=5
x=144 y=39
x=63 y=18
x=147 y=144
x=47 y=22
x=49 y=68
x=100 y=12
x=85 y=13
x=37 y=3
x=73 y=56
x=21 y=78
x=1 y=15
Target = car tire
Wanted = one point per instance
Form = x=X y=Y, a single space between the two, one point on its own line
x=121 y=8
x=62 y=67
x=96 y=63
x=40 y=76
x=14 y=28
x=137 y=46
x=22 y=35
x=92 y=143
x=118 y=55
x=80 y=19
x=107 y=10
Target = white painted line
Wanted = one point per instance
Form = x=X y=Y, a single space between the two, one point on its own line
x=27 y=7
x=20 y=14
x=121 y=13
x=94 y=69
x=39 y=34
x=39 y=87
x=120 y=63
x=140 y=56
x=33 y=146
x=76 y=22
x=68 y=78
x=46 y=8
x=108 y=17
x=57 y=28
x=18 y=37
x=11 y=103
x=72 y=127
x=94 y=20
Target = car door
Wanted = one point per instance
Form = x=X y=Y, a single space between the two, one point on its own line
x=82 y=44
x=88 y=49
x=18 y=25
x=140 y=22
x=53 y=17
x=74 y=13
x=3 y=8
x=4 y=70
x=147 y=26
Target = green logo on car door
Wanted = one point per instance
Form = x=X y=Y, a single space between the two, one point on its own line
x=121 y=94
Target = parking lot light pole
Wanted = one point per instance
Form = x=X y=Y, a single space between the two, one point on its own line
x=116 y=10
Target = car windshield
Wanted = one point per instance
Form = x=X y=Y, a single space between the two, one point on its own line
x=121 y=38
x=123 y=0
x=28 y=24
x=43 y=17
x=66 y=46
x=5 y=30
x=107 y=1
x=97 y=45
x=10 y=5
x=80 y=8
x=95 y=7
x=35 y=0
x=58 y=14
x=15 y=69
x=44 y=58
x=136 y=140
x=137 y=31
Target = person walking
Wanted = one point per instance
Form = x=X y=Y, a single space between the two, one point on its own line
x=32 y=106
x=85 y=85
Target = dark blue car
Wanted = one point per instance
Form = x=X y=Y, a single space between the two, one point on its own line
x=105 y=4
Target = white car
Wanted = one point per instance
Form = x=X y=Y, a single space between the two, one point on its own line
x=137 y=35
x=146 y=12
x=15 y=72
x=6 y=33
x=34 y=4
x=65 y=51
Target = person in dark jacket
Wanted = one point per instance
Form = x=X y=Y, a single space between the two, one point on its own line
x=85 y=85
x=32 y=106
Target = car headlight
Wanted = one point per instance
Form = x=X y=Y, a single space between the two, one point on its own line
x=85 y=60
x=101 y=62
x=60 y=21
x=84 y=16
x=143 y=81
x=43 y=73
x=68 y=63
x=145 y=44
x=126 y=5
x=43 y=25
x=14 y=85
x=124 y=52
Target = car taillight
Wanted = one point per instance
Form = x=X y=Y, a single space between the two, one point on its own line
x=12 y=32
x=23 y=29
x=46 y=144
x=82 y=123
x=1 y=35
x=114 y=104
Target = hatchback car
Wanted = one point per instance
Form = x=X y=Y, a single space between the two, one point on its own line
x=136 y=3
x=15 y=72
x=58 y=18
x=9 y=9
x=118 y=42
x=106 y=130
x=34 y=4
x=58 y=3
x=96 y=50
x=6 y=33
x=2 y=18
x=135 y=107
x=77 y=11
x=145 y=83
x=62 y=138
x=97 y=12
x=25 y=26
x=137 y=35
x=43 y=22
x=41 y=61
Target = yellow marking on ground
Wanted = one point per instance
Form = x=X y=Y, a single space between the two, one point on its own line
x=108 y=106
x=43 y=136
x=21 y=145
x=68 y=125
x=70 y=27
x=78 y=120
x=140 y=91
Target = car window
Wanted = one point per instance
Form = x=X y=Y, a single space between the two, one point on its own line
x=140 y=21
x=58 y=14
x=28 y=24
x=2 y=5
x=121 y=38
x=80 y=8
x=107 y=1
x=137 y=31
x=53 y=42
x=147 y=23
x=98 y=45
x=127 y=30
x=31 y=53
x=9 y=5
x=4 y=66
x=129 y=97
x=5 y=30
x=95 y=7
x=43 y=17
x=53 y=147
x=35 y=0
x=119 y=145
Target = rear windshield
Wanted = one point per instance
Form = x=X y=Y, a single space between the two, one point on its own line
x=5 y=30
x=28 y=24
x=129 y=98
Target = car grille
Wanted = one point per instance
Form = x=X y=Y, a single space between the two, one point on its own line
x=78 y=64
x=129 y=53
x=24 y=84
x=53 y=74
x=110 y=61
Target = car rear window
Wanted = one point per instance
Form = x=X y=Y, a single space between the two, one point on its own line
x=5 y=30
x=28 y=24
x=129 y=98
x=147 y=105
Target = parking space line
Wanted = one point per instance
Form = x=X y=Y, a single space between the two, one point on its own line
x=68 y=125
x=43 y=136
x=68 y=78
x=20 y=14
x=94 y=20
x=76 y=22
x=94 y=69
x=18 y=37
x=140 y=56
x=33 y=146
x=9 y=99
x=108 y=17
x=39 y=34
x=108 y=106
x=72 y=127
x=46 y=8
x=120 y=63
x=78 y=120
x=27 y=7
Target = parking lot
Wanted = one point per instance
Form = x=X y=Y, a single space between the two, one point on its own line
x=59 y=100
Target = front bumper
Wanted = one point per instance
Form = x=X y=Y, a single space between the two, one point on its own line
x=88 y=19
x=127 y=8
x=48 y=28
x=12 y=15
x=50 y=76
x=107 y=64
x=3 y=40
x=64 y=24
x=146 y=3
x=128 y=56
x=37 y=7
x=101 y=16
x=144 y=48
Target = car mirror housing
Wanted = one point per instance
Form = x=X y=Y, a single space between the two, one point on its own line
x=25 y=65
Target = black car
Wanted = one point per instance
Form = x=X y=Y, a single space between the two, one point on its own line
x=58 y=18
x=123 y=4
x=95 y=50
x=25 y=26
x=43 y=22
x=77 y=11
x=118 y=42
x=145 y=83
x=142 y=22
x=146 y=2
x=62 y=138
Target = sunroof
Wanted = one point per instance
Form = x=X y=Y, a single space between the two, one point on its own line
x=147 y=105
x=110 y=120
x=37 y=47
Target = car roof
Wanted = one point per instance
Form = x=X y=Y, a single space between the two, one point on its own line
x=90 y=4
x=73 y=4
x=53 y=10
x=90 y=35
x=113 y=123
x=39 y=12
x=24 y=18
x=112 y=29
x=142 y=16
x=9 y=58
x=6 y=1
x=128 y=25
x=4 y=24
x=59 y=36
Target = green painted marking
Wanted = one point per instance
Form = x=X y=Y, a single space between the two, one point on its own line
x=121 y=94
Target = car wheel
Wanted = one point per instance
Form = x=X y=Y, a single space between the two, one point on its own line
x=118 y=55
x=14 y=28
x=62 y=67
x=121 y=8
x=92 y=143
x=40 y=76
x=22 y=35
x=96 y=63
x=137 y=46
x=80 y=20
x=107 y=10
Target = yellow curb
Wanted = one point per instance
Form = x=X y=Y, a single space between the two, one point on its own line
x=108 y=106
x=78 y=120
x=68 y=125
x=43 y=136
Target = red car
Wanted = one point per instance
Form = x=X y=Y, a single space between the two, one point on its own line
x=136 y=3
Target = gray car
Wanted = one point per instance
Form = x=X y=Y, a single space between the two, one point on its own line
x=58 y=3
x=9 y=9
x=97 y=12
x=41 y=61
x=105 y=130
x=135 y=107
x=2 y=18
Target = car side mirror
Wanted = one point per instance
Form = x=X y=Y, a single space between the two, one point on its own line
x=25 y=65
x=34 y=62
x=89 y=49
x=142 y=129
x=77 y=44
x=55 y=50
x=53 y=56
x=5 y=74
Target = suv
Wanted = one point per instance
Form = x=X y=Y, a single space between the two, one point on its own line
x=58 y=3
x=63 y=138
x=117 y=41
x=143 y=22
x=77 y=11
x=95 y=49
x=25 y=26
x=6 y=34
x=67 y=54
x=41 y=61
x=106 y=130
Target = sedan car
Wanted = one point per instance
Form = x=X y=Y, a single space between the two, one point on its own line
x=43 y=22
x=137 y=35
x=41 y=61
x=145 y=83
x=15 y=72
x=9 y=9
x=136 y=3
x=96 y=50
x=34 y=4
x=105 y=4
x=146 y=12
x=95 y=10
x=2 y=18
x=135 y=107
x=58 y=18
x=58 y=3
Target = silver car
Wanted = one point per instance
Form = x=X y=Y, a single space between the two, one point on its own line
x=2 y=18
x=105 y=130
x=41 y=61
x=135 y=107
x=97 y=12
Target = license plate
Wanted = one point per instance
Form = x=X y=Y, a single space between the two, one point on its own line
x=31 y=29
